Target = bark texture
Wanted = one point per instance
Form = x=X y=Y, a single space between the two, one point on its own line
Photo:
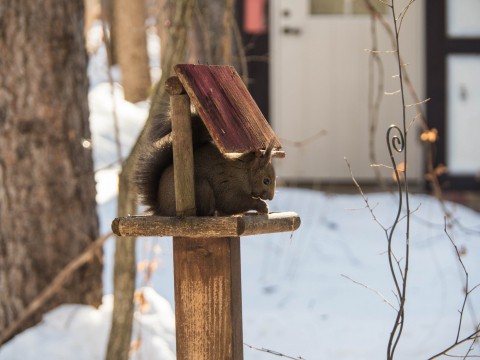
x=47 y=188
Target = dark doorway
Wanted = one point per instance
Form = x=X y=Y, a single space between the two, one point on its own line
x=252 y=20
x=453 y=57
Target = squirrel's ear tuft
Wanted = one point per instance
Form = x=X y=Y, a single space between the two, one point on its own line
x=267 y=153
x=265 y=156
x=269 y=149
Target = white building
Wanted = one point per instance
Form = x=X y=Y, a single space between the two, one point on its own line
x=320 y=85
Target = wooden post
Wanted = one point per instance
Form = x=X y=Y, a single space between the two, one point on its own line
x=208 y=306
x=208 y=302
x=182 y=147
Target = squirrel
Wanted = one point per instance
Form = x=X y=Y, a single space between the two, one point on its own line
x=223 y=185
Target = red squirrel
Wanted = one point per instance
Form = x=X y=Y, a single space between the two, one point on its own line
x=223 y=185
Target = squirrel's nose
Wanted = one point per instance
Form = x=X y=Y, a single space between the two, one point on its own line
x=267 y=195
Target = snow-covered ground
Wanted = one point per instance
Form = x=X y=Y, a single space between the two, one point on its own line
x=299 y=294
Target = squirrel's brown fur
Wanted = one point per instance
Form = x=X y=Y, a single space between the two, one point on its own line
x=222 y=184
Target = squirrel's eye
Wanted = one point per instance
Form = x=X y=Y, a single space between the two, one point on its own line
x=267 y=181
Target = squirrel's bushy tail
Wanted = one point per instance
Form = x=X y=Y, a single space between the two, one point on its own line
x=151 y=163
x=157 y=156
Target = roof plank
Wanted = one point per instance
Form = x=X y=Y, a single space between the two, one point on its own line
x=229 y=112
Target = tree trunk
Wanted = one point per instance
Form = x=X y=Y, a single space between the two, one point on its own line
x=47 y=188
x=124 y=274
x=175 y=22
x=131 y=48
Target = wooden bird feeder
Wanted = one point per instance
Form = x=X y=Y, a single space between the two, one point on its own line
x=206 y=250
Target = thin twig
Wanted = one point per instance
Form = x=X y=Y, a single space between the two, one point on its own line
x=392 y=93
x=380 y=51
x=365 y=199
x=369 y=288
x=403 y=13
x=463 y=356
x=382 y=166
x=417 y=103
x=273 y=352
x=413 y=121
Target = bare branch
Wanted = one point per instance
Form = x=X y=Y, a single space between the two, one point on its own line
x=87 y=255
x=466 y=285
x=462 y=356
x=399 y=144
x=472 y=337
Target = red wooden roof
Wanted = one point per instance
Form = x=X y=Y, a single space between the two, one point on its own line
x=229 y=112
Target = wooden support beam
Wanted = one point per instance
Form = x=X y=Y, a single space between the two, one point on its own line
x=208 y=298
x=203 y=226
x=182 y=148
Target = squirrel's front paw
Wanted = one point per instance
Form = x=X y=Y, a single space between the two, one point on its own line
x=262 y=207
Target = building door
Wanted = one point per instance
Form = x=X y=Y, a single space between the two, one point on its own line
x=319 y=88
x=453 y=82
